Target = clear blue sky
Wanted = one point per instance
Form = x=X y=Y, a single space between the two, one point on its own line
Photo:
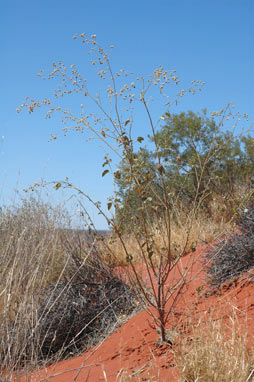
x=210 y=40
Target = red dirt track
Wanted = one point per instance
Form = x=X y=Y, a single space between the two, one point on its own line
x=133 y=346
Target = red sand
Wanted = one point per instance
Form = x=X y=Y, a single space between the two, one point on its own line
x=133 y=346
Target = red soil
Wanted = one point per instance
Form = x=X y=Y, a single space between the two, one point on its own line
x=133 y=346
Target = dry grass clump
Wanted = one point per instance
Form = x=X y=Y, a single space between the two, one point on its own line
x=57 y=296
x=75 y=316
x=30 y=258
x=190 y=227
x=217 y=351
x=230 y=258
x=186 y=235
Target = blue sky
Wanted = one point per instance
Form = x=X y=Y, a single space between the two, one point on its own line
x=208 y=40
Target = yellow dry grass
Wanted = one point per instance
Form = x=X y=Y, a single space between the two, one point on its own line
x=217 y=351
x=186 y=235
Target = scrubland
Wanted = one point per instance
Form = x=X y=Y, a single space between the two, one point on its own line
x=187 y=182
x=61 y=290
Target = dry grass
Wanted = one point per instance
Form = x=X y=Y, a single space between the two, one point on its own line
x=42 y=264
x=213 y=350
x=188 y=230
x=216 y=350
x=31 y=257
x=186 y=236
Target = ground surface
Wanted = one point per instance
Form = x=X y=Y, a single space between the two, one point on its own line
x=134 y=348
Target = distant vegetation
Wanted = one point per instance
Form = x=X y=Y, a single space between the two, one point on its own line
x=196 y=154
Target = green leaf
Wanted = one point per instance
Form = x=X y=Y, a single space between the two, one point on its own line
x=129 y=258
x=126 y=122
x=193 y=247
x=58 y=185
x=160 y=168
x=117 y=174
x=140 y=139
x=105 y=172
x=150 y=254
x=105 y=163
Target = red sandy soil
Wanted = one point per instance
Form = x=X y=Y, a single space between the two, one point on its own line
x=133 y=348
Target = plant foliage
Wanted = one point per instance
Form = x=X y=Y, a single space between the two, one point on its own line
x=197 y=154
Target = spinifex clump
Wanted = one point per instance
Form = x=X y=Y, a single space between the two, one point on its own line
x=234 y=256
